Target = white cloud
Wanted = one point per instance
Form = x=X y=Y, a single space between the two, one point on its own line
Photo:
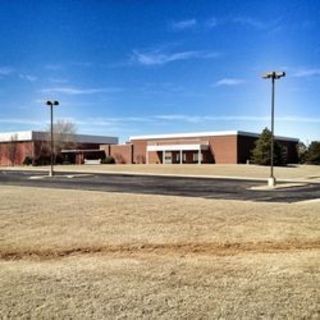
x=190 y=119
x=200 y=119
x=58 y=80
x=304 y=73
x=299 y=119
x=228 y=82
x=123 y=124
x=53 y=67
x=27 y=77
x=244 y=21
x=5 y=71
x=78 y=91
x=183 y=24
x=21 y=121
x=82 y=64
x=250 y=22
x=157 y=57
x=179 y=117
x=212 y=22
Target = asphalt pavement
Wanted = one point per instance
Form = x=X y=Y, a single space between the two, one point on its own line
x=173 y=186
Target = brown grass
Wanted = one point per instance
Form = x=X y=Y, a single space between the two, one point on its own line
x=77 y=254
x=311 y=172
x=268 y=286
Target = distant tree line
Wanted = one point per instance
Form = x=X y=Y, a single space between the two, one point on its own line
x=309 y=154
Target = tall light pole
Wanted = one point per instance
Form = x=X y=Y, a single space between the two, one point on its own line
x=51 y=104
x=273 y=75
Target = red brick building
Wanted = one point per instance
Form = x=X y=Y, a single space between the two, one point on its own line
x=16 y=146
x=203 y=147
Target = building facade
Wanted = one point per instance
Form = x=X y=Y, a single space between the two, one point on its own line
x=229 y=147
x=15 y=147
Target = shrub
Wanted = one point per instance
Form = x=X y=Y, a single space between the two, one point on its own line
x=108 y=160
x=27 y=161
x=42 y=161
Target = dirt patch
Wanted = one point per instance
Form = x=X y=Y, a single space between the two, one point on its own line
x=220 y=249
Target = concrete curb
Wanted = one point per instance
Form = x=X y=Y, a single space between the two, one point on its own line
x=281 y=186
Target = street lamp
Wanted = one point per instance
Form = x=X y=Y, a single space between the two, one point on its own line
x=273 y=75
x=51 y=104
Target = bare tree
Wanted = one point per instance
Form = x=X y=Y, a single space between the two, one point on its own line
x=64 y=135
x=12 y=149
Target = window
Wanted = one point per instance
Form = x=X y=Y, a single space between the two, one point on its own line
x=168 y=155
x=195 y=157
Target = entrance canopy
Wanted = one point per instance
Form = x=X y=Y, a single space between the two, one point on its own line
x=178 y=147
x=169 y=151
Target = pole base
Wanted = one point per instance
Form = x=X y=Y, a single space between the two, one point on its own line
x=271 y=182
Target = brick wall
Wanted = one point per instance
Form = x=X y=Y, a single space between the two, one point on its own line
x=229 y=149
x=122 y=153
x=155 y=157
x=222 y=149
x=139 y=151
x=22 y=150
x=245 y=146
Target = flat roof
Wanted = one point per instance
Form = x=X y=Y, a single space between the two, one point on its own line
x=205 y=134
x=44 y=136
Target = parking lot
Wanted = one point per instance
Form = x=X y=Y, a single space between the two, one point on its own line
x=173 y=186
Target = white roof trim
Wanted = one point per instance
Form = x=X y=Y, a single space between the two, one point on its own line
x=17 y=136
x=177 y=147
x=204 y=134
x=183 y=135
x=43 y=136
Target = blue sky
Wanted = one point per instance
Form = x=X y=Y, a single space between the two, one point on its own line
x=127 y=68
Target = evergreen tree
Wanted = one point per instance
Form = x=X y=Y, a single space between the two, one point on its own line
x=313 y=153
x=261 y=153
x=302 y=152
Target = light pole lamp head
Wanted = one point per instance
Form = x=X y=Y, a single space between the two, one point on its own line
x=274 y=75
x=52 y=103
x=279 y=75
x=267 y=75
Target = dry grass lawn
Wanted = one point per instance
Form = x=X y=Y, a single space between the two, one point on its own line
x=69 y=254
x=311 y=172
